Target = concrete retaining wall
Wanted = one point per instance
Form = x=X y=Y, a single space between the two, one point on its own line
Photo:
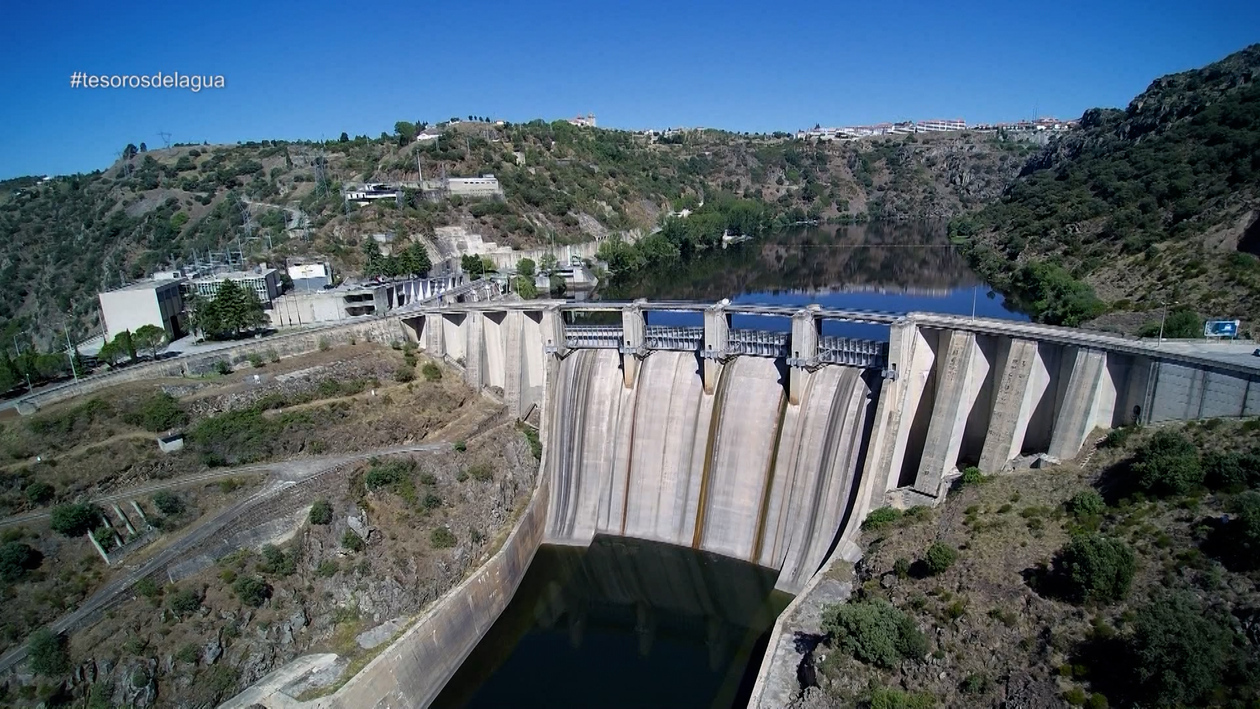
x=415 y=668
x=285 y=345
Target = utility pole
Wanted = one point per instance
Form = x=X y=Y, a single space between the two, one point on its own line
x=70 y=352
x=973 y=302
x=1162 y=318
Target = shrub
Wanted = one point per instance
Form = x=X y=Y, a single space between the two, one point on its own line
x=277 y=562
x=884 y=698
x=185 y=601
x=158 y=413
x=461 y=446
x=1231 y=472
x=1095 y=568
x=974 y=684
x=189 y=653
x=17 y=560
x=387 y=474
x=1087 y=503
x=1238 y=541
x=874 y=632
x=880 y=518
x=431 y=372
x=1167 y=464
x=38 y=492
x=48 y=653
x=1117 y=437
x=256 y=360
x=327 y=568
x=901 y=567
x=428 y=479
x=321 y=512
x=442 y=538
x=273 y=356
x=324 y=344
x=352 y=541
x=1179 y=652
x=222 y=367
x=168 y=503
x=481 y=472
x=431 y=501
x=939 y=557
x=251 y=590
x=404 y=374
x=972 y=476
x=74 y=520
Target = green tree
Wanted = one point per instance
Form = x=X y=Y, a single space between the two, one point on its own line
x=1167 y=464
x=939 y=557
x=548 y=261
x=39 y=492
x=321 y=512
x=414 y=260
x=1096 y=569
x=234 y=309
x=525 y=267
x=406 y=132
x=345 y=137
x=168 y=503
x=124 y=344
x=48 y=653
x=874 y=632
x=74 y=520
x=525 y=287
x=17 y=560
x=149 y=337
x=1180 y=652
x=472 y=265
x=251 y=590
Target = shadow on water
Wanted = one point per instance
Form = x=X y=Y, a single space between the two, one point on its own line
x=624 y=623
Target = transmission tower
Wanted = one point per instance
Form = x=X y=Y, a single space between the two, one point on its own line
x=166 y=138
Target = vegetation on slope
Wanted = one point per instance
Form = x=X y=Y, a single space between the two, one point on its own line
x=67 y=238
x=1156 y=203
x=1129 y=583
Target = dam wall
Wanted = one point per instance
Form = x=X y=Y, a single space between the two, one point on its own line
x=741 y=471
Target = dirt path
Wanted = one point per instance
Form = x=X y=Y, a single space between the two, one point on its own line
x=83 y=448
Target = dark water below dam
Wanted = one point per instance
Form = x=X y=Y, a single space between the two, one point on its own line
x=624 y=623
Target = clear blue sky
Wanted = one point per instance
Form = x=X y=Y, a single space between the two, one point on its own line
x=310 y=69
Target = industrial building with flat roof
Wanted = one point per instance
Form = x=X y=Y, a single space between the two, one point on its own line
x=147 y=302
x=262 y=281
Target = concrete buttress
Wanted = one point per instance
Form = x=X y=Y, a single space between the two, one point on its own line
x=803 y=350
x=474 y=351
x=435 y=344
x=633 y=334
x=717 y=330
x=515 y=362
x=1013 y=404
x=1086 y=392
x=958 y=383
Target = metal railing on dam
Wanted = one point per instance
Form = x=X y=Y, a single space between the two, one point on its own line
x=679 y=339
x=855 y=353
x=592 y=337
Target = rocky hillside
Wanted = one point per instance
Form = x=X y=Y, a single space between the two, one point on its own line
x=1158 y=202
x=66 y=238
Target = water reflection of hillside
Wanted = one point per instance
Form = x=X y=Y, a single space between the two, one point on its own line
x=913 y=258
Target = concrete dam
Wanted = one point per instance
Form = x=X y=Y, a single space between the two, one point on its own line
x=770 y=446
x=764 y=444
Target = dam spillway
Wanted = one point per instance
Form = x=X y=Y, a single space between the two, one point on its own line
x=739 y=471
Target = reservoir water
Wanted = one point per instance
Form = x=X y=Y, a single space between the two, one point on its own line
x=895 y=267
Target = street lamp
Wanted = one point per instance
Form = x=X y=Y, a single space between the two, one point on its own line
x=1162 y=318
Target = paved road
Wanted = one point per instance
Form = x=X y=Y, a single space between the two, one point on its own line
x=284 y=475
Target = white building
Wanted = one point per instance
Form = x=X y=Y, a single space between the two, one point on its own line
x=937 y=125
x=349 y=301
x=148 y=302
x=484 y=186
x=372 y=192
x=310 y=276
x=587 y=121
x=428 y=135
x=263 y=281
